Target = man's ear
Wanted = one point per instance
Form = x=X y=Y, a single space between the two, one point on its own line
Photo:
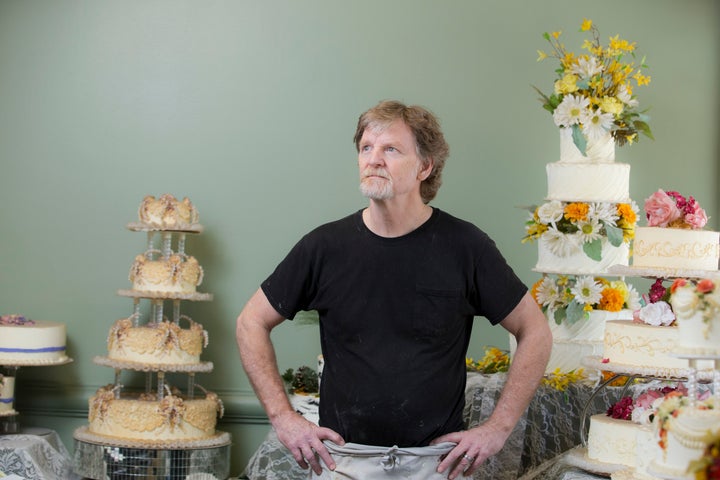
x=425 y=172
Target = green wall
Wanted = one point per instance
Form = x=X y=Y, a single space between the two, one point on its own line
x=248 y=108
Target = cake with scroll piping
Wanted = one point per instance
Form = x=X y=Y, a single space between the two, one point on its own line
x=674 y=238
x=26 y=341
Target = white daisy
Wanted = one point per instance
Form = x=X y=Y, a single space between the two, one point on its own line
x=561 y=244
x=571 y=110
x=587 y=67
x=596 y=124
x=548 y=292
x=589 y=230
x=603 y=212
x=633 y=298
x=625 y=97
x=551 y=212
x=587 y=290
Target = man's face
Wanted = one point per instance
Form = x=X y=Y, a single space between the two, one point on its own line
x=388 y=161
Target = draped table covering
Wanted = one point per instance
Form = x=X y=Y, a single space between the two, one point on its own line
x=550 y=426
x=35 y=454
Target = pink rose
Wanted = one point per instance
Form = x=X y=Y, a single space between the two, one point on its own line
x=694 y=215
x=661 y=209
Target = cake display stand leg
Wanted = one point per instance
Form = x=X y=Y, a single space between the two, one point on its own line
x=9 y=420
x=692 y=381
x=716 y=378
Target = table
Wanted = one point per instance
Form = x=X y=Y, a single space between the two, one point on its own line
x=549 y=427
x=35 y=454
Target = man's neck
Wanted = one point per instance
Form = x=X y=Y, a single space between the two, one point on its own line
x=392 y=220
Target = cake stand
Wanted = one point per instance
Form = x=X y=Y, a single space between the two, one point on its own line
x=8 y=378
x=102 y=457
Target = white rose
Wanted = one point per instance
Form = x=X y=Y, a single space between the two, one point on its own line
x=551 y=212
x=684 y=300
x=656 y=314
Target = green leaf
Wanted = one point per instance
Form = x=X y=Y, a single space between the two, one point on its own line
x=575 y=312
x=559 y=315
x=579 y=138
x=615 y=234
x=644 y=128
x=593 y=249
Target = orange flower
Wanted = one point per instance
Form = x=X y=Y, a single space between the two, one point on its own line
x=611 y=300
x=679 y=282
x=577 y=211
x=705 y=286
x=626 y=212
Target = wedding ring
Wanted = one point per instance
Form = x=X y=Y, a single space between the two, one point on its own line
x=468 y=458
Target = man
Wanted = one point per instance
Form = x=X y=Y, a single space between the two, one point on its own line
x=396 y=286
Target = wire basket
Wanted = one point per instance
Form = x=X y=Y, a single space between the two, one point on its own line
x=105 y=462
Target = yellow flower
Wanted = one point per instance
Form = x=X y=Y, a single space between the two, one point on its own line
x=611 y=105
x=556 y=35
x=567 y=84
x=620 y=45
x=577 y=211
x=586 y=25
x=641 y=79
x=630 y=138
x=541 y=55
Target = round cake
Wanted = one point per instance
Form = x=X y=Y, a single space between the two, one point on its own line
x=168 y=213
x=144 y=418
x=676 y=249
x=176 y=273
x=31 y=341
x=163 y=343
x=697 y=311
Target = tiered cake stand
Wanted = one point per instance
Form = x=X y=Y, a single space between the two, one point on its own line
x=690 y=375
x=100 y=457
x=8 y=380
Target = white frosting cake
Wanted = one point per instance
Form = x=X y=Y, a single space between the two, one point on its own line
x=683 y=431
x=616 y=441
x=33 y=341
x=676 y=248
x=176 y=273
x=578 y=263
x=697 y=311
x=163 y=343
x=573 y=342
x=645 y=348
x=7 y=394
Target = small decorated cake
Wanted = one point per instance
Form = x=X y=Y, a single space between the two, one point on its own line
x=168 y=213
x=160 y=343
x=697 y=309
x=176 y=273
x=33 y=342
x=624 y=435
x=683 y=429
x=172 y=419
x=674 y=238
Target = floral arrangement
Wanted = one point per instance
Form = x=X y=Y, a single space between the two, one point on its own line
x=707 y=467
x=302 y=381
x=671 y=406
x=655 y=307
x=642 y=409
x=570 y=299
x=593 y=94
x=14 y=319
x=570 y=226
x=561 y=380
x=494 y=361
x=702 y=296
x=672 y=210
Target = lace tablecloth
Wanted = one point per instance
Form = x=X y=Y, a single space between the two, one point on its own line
x=35 y=454
x=550 y=426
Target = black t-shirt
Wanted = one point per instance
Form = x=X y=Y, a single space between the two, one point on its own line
x=395 y=321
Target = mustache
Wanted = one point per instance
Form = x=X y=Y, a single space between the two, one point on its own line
x=375 y=172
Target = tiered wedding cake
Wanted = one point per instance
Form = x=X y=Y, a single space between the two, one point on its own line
x=161 y=416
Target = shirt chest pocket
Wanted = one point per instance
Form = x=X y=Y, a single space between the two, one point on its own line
x=436 y=311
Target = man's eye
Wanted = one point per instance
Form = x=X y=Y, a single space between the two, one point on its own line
x=365 y=148
x=391 y=149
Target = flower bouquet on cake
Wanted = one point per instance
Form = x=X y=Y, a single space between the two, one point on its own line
x=593 y=97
